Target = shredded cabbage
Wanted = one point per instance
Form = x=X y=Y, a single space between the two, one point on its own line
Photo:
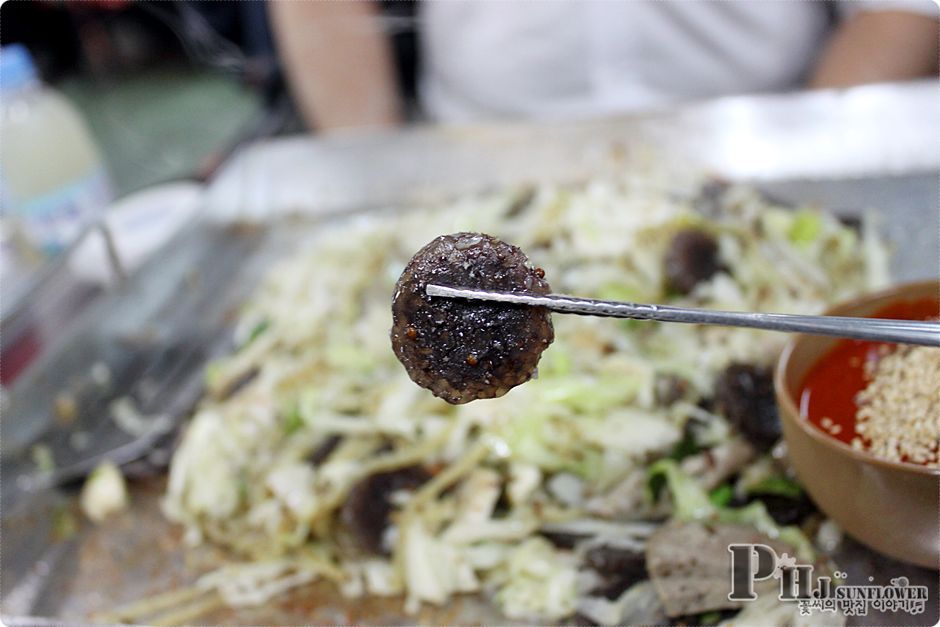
x=572 y=445
x=541 y=582
x=104 y=492
x=691 y=502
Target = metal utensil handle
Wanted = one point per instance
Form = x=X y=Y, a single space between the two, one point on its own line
x=878 y=329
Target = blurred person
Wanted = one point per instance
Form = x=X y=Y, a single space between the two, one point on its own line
x=514 y=59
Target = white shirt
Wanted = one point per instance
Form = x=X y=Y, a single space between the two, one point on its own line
x=549 y=59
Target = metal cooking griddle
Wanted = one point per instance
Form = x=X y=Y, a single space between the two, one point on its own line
x=849 y=151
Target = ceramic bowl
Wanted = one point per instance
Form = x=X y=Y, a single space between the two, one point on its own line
x=892 y=507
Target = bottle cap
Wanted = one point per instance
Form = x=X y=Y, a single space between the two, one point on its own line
x=16 y=67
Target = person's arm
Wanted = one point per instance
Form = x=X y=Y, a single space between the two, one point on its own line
x=875 y=46
x=337 y=62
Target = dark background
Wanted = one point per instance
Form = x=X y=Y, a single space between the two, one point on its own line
x=169 y=89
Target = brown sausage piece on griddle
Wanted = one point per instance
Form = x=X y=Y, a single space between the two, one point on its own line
x=618 y=569
x=464 y=350
x=366 y=510
x=744 y=393
x=692 y=257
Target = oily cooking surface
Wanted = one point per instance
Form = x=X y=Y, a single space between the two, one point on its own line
x=466 y=350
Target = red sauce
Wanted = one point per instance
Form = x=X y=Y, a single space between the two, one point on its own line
x=827 y=396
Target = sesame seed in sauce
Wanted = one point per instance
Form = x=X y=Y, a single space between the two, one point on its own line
x=899 y=410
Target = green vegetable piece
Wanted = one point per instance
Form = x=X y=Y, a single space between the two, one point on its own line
x=42 y=458
x=721 y=495
x=685 y=447
x=805 y=228
x=293 y=420
x=214 y=370
x=709 y=618
x=779 y=486
x=689 y=499
x=64 y=524
x=256 y=331
x=690 y=502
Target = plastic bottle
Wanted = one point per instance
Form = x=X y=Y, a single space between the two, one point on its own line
x=53 y=183
x=52 y=179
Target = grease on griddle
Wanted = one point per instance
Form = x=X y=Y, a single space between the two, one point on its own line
x=467 y=350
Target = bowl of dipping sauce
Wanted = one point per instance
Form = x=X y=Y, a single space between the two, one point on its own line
x=861 y=427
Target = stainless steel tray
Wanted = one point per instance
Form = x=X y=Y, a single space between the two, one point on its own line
x=185 y=298
x=872 y=131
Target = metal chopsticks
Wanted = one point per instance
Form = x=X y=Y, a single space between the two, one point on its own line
x=878 y=329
